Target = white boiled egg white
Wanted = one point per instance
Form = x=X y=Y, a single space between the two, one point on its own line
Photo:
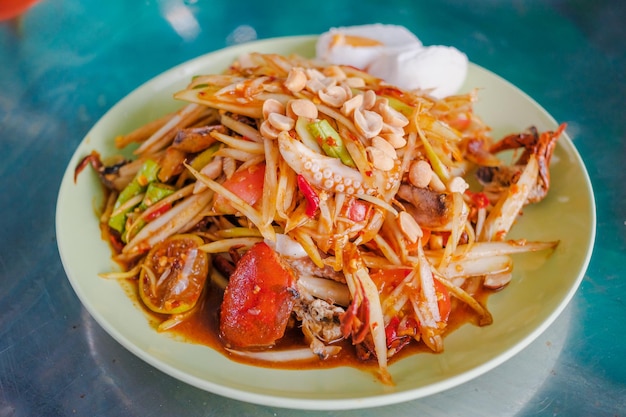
x=396 y=55
x=359 y=46
x=438 y=70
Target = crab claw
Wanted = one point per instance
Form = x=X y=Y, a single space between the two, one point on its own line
x=356 y=320
x=540 y=146
x=108 y=173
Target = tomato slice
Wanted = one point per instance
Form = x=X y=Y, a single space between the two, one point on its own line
x=173 y=275
x=258 y=300
x=387 y=279
x=247 y=184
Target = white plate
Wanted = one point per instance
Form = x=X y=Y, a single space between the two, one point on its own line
x=539 y=291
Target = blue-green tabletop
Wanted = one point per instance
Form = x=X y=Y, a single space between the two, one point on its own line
x=64 y=63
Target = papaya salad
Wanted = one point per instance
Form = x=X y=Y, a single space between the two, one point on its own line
x=315 y=198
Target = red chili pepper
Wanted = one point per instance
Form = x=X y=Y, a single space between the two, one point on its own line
x=116 y=241
x=479 y=199
x=400 y=332
x=156 y=213
x=312 y=199
x=391 y=331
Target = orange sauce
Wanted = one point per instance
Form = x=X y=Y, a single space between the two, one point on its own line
x=203 y=328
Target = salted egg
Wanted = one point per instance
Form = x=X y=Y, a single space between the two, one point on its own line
x=396 y=55
x=437 y=70
x=359 y=46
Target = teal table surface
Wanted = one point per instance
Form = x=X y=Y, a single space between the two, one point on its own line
x=64 y=63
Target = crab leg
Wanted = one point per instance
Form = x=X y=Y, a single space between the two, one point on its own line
x=366 y=307
x=539 y=146
x=507 y=208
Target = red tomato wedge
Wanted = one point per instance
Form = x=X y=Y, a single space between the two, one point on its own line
x=387 y=279
x=258 y=299
x=443 y=300
x=247 y=184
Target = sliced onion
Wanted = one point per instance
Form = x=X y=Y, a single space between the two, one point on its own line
x=287 y=355
x=240 y=144
x=241 y=128
x=224 y=245
x=485 y=317
x=131 y=273
x=476 y=267
x=288 y=247
x=479 y=250
x=427 y=282
x=497 y=281
x=167 y=127
x=361 y=286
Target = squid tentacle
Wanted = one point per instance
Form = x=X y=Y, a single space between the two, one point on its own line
x=322 y=171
